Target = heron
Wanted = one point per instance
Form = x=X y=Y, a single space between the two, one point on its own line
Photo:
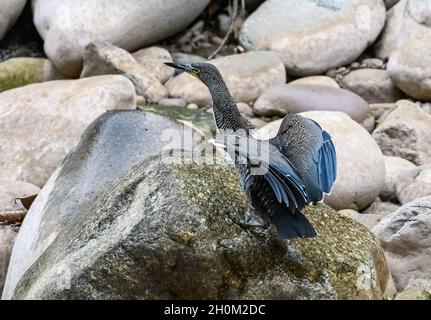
x=299 y=165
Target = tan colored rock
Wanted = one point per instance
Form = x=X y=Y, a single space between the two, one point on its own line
x=405 y=235
x=360 y=174
x=410 y=68
x=373 y=85
x=408 y=20
x=296 y=98
x=10 y=11
x=312 y=36
x=406 y=132
x=172 y=102
x=10 y=191
x=380 y=110
x=247 y=75
x=418 y=289
x=18 y=72
x=380 y=207
x=67 y=27
x=317 y=80
x=395 y=166
x=102 y=58
x=245 y=109
x=413 y=184
x=152 y=59
x=40 y=123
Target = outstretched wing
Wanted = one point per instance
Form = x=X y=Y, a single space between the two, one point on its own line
x=267 y=160
x=311 y=151
x=327 y=163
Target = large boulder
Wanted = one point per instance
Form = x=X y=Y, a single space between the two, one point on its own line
x=406 y=132
x=297 y=98
x=124 y=245
x=102 y=58
x=394 y=167
x=312 y=36
x=410 y=68
x=247 y=75
x=360 y=164
x=112 y=144
x=405 y=236
x=413 y=184
x=8 y=235
x=68 y=26
x=374 y=85
x=407 y=21
x=18 y=72
x=9 y=13
x=40 y=123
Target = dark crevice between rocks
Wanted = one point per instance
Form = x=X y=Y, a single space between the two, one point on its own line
x=22 y=40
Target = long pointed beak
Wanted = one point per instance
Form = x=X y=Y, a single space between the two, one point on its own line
x=180 y=66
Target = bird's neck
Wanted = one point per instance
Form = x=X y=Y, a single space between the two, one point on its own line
x=226 y=113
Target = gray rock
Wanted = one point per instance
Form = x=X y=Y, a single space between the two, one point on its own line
x=112 y=144
x=406 y=132
x=405 y=236
x=124 y=245
x=40 y=123
x=394 y=167
x=408 y=20
x=102 y=58
x=375 y=86
x=410 y=68
x=296 y=98
x=67 y=27
x=8 y=235
x=10 y=10
x=307 y=34
x=413 y=184
x=247 y=75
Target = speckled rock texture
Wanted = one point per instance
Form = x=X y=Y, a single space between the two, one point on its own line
x=169 y=231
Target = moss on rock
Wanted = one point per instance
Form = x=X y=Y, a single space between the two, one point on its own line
x=169 y=230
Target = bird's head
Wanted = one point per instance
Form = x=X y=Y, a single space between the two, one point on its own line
x=206 y=72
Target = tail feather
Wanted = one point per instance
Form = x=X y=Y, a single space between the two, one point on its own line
x=291 y=226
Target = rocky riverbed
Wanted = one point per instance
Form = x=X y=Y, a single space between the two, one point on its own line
x=90 y=208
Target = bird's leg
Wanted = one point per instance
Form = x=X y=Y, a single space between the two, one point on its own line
x=253 y=223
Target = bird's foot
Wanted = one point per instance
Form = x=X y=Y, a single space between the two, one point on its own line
x=254 y=224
